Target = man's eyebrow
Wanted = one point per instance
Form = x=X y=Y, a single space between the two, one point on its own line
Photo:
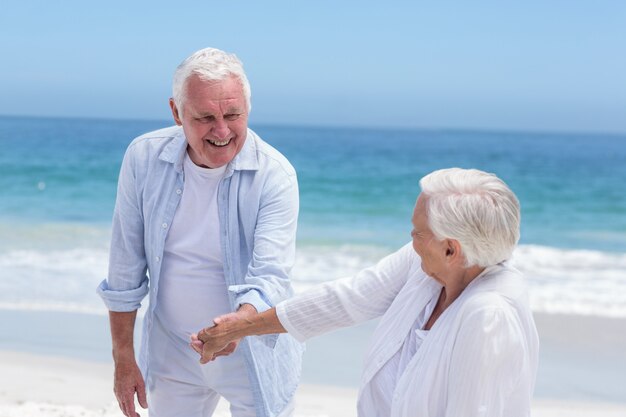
x=203 y=114
x=208 y=113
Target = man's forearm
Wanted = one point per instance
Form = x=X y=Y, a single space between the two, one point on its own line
x=122 y=334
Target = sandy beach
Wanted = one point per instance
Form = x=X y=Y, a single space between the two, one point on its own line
x=581 y=373
x=35 y=385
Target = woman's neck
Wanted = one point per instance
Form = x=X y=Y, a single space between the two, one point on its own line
x=453 y=286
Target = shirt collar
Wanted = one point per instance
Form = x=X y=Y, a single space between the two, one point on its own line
x=487 y=273
x=246 y=160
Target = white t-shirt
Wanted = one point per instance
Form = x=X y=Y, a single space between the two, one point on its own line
x=192 y=288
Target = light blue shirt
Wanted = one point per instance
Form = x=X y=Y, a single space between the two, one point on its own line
x=258 y=210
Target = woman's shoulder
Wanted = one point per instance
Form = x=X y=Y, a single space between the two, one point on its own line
x=500 y=287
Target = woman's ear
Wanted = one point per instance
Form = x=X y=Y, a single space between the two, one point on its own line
x=453 y=250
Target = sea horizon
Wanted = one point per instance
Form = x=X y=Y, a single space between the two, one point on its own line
x=621 y=134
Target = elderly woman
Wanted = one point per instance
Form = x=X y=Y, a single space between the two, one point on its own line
x=456 y=337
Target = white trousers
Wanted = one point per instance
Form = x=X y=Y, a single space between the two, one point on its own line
x=178 y=385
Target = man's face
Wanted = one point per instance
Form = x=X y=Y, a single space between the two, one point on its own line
x=431 y=250
x=215 y=120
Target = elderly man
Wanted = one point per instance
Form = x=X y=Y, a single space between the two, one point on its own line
x=456 y=335
x=205 y=223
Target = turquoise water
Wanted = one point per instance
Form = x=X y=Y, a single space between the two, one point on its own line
x=58 y=180
x=363 y=183
x=356 y=185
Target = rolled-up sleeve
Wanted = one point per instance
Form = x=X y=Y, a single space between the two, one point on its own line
x=122 y=301
x=127 y=282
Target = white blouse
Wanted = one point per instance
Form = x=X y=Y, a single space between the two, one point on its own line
x=381 y=389
x=478 y=359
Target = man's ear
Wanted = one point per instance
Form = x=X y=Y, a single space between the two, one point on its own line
x=175 y=113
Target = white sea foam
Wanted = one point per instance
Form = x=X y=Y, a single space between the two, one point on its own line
x=61 y=280
x=561 y=281
x=574 y=281
x=315 y=264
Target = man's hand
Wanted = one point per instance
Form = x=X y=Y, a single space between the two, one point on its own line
x=128 y=381
x=213 y=348
x=212 y=342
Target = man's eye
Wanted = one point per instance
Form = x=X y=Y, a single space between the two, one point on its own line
x=232 y=117
x=205 y=119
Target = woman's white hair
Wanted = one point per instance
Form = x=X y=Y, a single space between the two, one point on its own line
x=209 y=64
x=475 y=208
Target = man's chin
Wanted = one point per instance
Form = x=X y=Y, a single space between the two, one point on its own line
x=218 y=162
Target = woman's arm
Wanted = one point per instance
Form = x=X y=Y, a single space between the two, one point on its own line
x=349 y=301
x=326 y=307
x=229 y=329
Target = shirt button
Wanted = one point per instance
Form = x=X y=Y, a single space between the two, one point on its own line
x=164 y=225
x=157 y=259
x=179 y=191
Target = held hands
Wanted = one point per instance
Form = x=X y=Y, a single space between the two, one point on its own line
x=222 y=338
x=210 y=344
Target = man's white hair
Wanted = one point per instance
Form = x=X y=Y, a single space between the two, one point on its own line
x=209 y=64
x=475 y=208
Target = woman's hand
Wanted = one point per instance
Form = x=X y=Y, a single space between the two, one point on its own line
x=222 y=338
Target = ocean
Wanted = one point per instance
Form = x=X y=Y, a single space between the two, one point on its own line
x=357 y=190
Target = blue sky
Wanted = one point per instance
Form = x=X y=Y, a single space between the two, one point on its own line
x=533 y=65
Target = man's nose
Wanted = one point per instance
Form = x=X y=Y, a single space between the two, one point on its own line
x=220 y=129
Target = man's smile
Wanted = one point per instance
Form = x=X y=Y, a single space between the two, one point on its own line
x=219 y=143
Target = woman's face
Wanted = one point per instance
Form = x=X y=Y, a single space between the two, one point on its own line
x=431 y=251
